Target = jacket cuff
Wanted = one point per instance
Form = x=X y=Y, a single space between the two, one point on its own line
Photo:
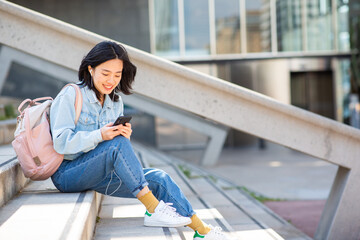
x=98 y=137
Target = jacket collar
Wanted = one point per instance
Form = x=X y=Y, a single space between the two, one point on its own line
x=91 y=96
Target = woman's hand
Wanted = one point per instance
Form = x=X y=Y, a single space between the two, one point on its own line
x=125 y=130
x=109 y=131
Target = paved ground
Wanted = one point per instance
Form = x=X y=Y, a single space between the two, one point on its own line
x=277 y=172
x=304 y=214
x=303 y=182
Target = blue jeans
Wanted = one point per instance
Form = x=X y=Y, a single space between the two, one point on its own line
x=112 y=168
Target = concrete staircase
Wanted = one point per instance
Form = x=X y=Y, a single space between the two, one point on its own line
x=212 y=99
x=36 y=210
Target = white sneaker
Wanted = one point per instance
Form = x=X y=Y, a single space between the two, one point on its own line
x=165 y=216
x=214 y=234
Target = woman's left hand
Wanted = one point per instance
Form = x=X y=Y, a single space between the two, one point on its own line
x=125 y=130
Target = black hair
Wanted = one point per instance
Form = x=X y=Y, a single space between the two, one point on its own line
x=101 y=53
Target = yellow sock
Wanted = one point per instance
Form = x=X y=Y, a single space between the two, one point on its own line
x=149 y=201
x=198 y=225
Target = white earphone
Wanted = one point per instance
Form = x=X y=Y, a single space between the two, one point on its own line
x=91 y=72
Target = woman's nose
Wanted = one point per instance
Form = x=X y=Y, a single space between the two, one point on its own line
x=111 y=79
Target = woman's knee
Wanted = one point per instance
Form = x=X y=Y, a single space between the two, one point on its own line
x=158 y=177
x=164 y=187
x=116 y=150
x=119 y=144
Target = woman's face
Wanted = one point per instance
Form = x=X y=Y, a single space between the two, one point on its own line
x=107 y=75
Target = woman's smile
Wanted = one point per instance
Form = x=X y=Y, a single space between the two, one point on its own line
x=108 y=87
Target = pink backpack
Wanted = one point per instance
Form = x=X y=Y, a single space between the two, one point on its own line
x=33 y=143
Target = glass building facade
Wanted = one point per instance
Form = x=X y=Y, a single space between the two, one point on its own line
x=185 y=28
x=276 y=33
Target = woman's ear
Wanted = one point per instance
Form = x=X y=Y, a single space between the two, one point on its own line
x=90 y=70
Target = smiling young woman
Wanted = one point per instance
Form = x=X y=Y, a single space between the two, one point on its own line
x=99 y=156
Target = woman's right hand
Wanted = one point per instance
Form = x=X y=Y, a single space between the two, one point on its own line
x=109 y=131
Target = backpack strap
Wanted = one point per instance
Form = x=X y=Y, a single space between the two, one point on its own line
x=28 y=134
x=31 y=103
x=78 y=100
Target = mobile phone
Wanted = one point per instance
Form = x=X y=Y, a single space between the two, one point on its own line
x=122 y=120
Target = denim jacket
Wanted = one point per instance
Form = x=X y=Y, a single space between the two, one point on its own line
x=71 y=140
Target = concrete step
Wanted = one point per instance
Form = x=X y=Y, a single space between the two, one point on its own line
x=40 y=211
x=12 y=180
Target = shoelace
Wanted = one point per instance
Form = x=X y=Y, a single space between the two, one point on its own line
x=217 y=230
x=172 y=210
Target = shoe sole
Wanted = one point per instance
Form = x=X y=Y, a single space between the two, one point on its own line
x=161 y=224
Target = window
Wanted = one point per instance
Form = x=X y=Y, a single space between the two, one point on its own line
x=166 y=27
x=319 y=25
x=258 y=26
x=227 y=22
x=197 y=28
x=289 y=25
x=343 y=25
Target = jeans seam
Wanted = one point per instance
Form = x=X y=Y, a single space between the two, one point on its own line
x=140 y=183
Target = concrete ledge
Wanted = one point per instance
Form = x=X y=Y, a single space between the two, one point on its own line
x=12 y=179
x=42 y=212
x=84 y=225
